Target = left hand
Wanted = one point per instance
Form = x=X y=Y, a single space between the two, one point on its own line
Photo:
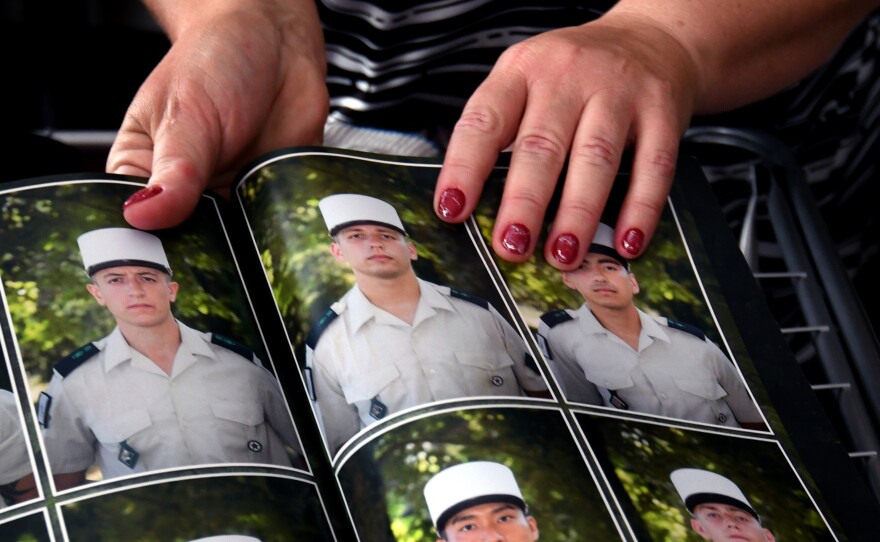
x=582 y=93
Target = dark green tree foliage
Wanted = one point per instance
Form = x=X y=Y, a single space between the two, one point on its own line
x=44 y=281
x=536 y=444
x=269 y=508
x=282 y=208
x=30 y=528
x=643 y=455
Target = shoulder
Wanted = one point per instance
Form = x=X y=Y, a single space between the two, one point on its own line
x=323 y=323
x=455 y=295
x=235 y=346
x=682 y=327
x=470 y=298
x=75 y=359
x=555 y=318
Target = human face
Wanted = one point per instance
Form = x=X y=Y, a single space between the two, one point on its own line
x=602 y=281
x=134 y=295
x=724 y=523
x=491 y=522
x=375 y=251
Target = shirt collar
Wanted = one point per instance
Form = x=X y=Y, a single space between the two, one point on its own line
x=361 y=310
x=650 y=327
x=117 y=350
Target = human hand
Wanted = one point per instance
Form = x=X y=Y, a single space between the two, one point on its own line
x=582 y=93
x=235 y=84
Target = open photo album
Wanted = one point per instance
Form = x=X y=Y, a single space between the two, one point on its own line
x=321 y=359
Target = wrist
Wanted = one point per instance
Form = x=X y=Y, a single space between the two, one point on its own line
x=178 y=17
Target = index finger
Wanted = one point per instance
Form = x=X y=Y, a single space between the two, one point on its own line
x=487 y=125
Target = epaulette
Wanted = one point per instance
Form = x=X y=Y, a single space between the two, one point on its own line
x=687 y=328
x=75 y=359
x=554 y=318
x=464 y=296
x=231 y=344
x=315 y=333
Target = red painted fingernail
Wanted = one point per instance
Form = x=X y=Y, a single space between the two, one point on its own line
x=142 y=194
x=451 y=203
x=565 y=248
x=517 y=239
x=633 y=240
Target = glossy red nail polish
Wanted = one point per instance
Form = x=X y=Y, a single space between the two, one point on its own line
x=565 y=248
x=516 y=239
x=451 y=203
x=142 y=194
x=633 y=241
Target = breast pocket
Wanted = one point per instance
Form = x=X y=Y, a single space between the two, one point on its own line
x=366 y=385
x=487 y=373
x=707 y=389
x=246 y=413
x=610 y=378
x=122 y=426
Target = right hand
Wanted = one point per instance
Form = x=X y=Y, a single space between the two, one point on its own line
x=235 y=84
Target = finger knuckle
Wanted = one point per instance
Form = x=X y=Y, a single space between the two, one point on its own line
x=482 y=119
x=663 y=163
x=586 y=211
x=543 y=144
x=598 y=151
x=526 y=201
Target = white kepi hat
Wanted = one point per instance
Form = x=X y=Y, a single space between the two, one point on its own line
x=470 y=484
x=603 y=243
x=698 y=486
x=115 y=247
x=227 y=538
x=344 y=210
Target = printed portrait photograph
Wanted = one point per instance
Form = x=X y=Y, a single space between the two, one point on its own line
x=630 y=335
x=701 y=484
x=141 y=348
x=241 y=508
x=387 y=308
x=459 y=472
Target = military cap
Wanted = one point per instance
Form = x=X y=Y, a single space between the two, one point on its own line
x=116 y=247
x=698 y=486
x=344 y=210
x=603 y=243
x=470 y=484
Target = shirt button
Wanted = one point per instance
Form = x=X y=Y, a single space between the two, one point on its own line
x=663 y=396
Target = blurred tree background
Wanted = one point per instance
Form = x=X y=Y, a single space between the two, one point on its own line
x=31 y=528
x=643 y=455
x=281 y=201
x=44 y=281
x=271 y=509
x=384 y=480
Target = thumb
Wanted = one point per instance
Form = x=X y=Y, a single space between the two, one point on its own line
x=179 y=160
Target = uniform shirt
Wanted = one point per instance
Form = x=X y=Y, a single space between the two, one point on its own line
x=14 y=461
x=368 y=363
x=674 y=373
x=118 y=410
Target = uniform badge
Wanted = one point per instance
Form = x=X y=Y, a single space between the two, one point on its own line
x=722 y=417
x=497 y=381
x=378 y=410
x=43 y=405
x=255 y=446
x=128 y=456
x=616 y=401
